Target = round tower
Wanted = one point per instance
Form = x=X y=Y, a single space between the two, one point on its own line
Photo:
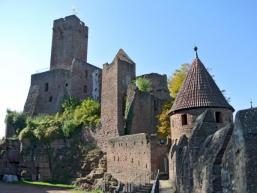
x=198 y=93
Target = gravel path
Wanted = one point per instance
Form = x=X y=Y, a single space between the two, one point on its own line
x=20 y=188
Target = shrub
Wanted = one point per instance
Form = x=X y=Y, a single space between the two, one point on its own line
x=70 y=104
x=26 y=133
x=15 y=120
x=143 y=84
x=88 y=113
x=71 y=127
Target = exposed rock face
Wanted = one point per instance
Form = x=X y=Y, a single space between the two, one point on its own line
x=94 y=179
x=9 y=157
x=60 y=161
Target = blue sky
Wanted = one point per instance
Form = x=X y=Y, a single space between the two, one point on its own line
x=157 y=35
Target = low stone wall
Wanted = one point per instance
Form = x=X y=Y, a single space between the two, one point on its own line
x=135 y=158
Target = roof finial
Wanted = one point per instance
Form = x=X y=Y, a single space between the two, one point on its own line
x=195 y=49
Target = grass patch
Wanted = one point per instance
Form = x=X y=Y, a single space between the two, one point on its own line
x=55 y=185
x=38 y=183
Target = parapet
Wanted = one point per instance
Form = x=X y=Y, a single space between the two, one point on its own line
x=247 y=120
x=68 y=19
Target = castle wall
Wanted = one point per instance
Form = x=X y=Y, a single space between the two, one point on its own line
x=142 y=115
x=135 y=158
x=214 y=160
x=49 y=89
x=52 y=88
x=142 y=108
x=158 y=85
x=70 y=39
x=9 y=157
x=115 y=80
x=85 y=80
x=177 y=129
x=239 y=161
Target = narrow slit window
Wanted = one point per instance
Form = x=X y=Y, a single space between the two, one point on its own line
x=50 y=99
x=85 y=88
x=46 y=87
x=86 y=74
x=184 y=119
x=218 y=117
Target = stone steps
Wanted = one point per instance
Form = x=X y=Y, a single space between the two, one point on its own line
x=144 y=189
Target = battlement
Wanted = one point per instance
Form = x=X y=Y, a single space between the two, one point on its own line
x=68 y=19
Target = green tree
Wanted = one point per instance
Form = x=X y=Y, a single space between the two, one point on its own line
x=15 y=120
x=164 y=120
x=177 y=79
x=174 y=85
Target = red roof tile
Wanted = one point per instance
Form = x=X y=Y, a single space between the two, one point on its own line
x=199 y=90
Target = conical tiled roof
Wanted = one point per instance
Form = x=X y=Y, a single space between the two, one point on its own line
x=199 y=90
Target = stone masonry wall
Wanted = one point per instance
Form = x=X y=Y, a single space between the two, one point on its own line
x=177 y=129
x=85 y=80
x=158 y=85
x=128 y=158
x=135 y=158
x=49 y=89
x=115 y=80
x=239 y=163
x=215 y=160
x=143 y=112
x=52 y=88
x=70 y=38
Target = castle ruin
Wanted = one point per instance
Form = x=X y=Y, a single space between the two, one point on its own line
x=70 y=74
x=207 y=152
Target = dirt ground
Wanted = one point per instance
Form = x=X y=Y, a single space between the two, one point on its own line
x=20 y=188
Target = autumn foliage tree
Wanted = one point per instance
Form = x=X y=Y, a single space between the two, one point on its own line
x=174 y=85
x=177 y=79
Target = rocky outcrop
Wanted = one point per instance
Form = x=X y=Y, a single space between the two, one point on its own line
x=98 y=179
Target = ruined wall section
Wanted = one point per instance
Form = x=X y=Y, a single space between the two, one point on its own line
x=85 y=80
x=9 y=157
x=129 y=157
x=30 y=106
x=115 y=80
x=52 y=88
x=239 y=162
x=214 y=160
x=49 y=89
x=70 y=40
x=142 y=108
x=142 y=113
x=159 y=84
x=135 y=158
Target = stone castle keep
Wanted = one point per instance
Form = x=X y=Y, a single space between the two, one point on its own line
x=69 y=74
x=208 y=152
